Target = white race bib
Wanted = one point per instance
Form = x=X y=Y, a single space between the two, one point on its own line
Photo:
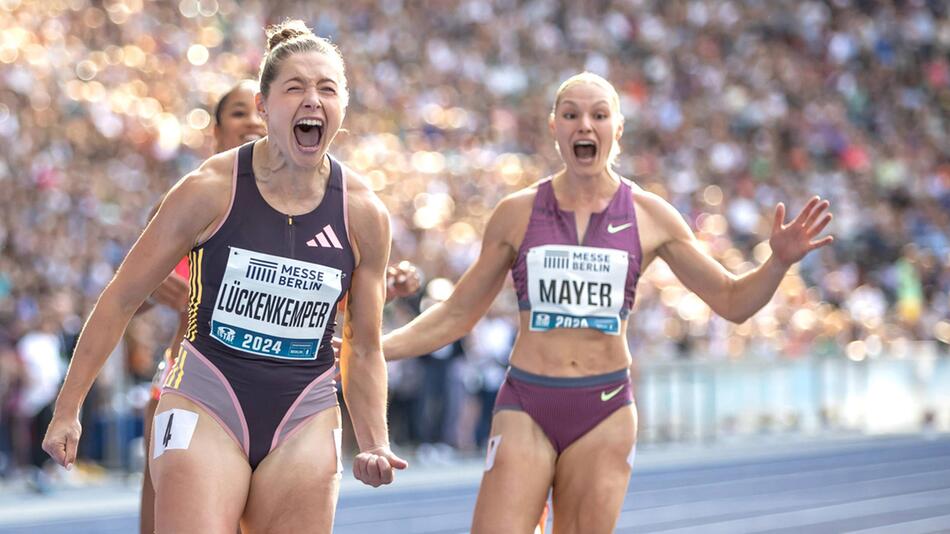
x=274 y=306
x=172 y=429
x=576 y=287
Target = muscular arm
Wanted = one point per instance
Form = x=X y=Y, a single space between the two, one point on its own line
x=186 y=212
x=735 y=298
x=361 y=359
x=173 y=291
x=447 y=321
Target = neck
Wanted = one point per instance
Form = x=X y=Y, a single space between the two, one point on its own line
x=591 y=187
x=277 y=169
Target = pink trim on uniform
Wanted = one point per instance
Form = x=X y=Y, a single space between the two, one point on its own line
x=213 y=415
x=230 y=205
x=293 y=407
x=227 y=387
x=296 y=429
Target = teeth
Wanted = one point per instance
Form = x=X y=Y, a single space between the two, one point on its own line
x=310 y=122
x=584 y=143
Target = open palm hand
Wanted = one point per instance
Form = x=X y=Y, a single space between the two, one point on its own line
x=790 y=242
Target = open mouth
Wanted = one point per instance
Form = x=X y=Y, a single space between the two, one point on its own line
x=585 y=150
x=308 y=133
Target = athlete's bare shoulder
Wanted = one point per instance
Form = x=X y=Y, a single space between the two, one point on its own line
x=360 y=195
x=510 y=219
x=203 y=196
x=653 y=205
x=212 y=178
x=642 y=196
x=658 y=220
x=368 y=225
x=520 y=202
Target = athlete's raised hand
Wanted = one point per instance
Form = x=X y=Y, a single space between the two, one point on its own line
x=62 y=439
x=402 y=280
x=790 y=242
x=375 y=467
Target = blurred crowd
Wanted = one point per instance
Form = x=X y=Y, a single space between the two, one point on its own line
x=730 y=106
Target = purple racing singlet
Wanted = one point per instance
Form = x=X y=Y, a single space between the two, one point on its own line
x=262 y=307
x=567 y=282
x=268 y=283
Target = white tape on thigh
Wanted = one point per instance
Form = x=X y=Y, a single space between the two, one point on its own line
x=632 y=456
x=172 y=430
x=338 y=444
x=493 y=443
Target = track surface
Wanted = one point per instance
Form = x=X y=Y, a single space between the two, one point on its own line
x=867 y=485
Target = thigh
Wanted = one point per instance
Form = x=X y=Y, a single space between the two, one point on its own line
x=592 y=476
x=147 y=416
x=295 y=488
x=201 y=488
x=147 y=511
x=518 y=474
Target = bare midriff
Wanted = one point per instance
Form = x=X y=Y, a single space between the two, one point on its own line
x=569 y=352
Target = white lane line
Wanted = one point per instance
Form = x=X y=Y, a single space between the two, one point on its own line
x=776 y=481
x=822 y=514
x=741 y=472
x=804 y=499
x=919 y=526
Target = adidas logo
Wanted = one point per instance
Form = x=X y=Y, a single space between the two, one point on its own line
x=326 y=238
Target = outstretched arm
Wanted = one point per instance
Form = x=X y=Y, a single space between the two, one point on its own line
x=190 y=209
x=737 y=298
x=447 y=321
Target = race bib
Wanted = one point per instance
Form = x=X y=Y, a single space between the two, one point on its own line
x=576 y=287
x=274 y=306
x=172 y=429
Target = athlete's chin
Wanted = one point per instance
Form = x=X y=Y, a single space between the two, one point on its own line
x=307 y=157
x=587 y=168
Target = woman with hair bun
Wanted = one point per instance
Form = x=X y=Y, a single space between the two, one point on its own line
x=236 y=122
x=277 y=233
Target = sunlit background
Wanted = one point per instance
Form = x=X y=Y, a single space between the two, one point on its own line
x=730 y=108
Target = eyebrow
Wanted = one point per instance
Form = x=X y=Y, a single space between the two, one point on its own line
x=300 y=80
x=602 y=101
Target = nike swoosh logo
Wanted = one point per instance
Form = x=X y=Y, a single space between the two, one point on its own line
x=611 y=229
x=607 y=395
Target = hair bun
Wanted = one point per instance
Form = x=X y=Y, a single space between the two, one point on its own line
x=285 y=31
